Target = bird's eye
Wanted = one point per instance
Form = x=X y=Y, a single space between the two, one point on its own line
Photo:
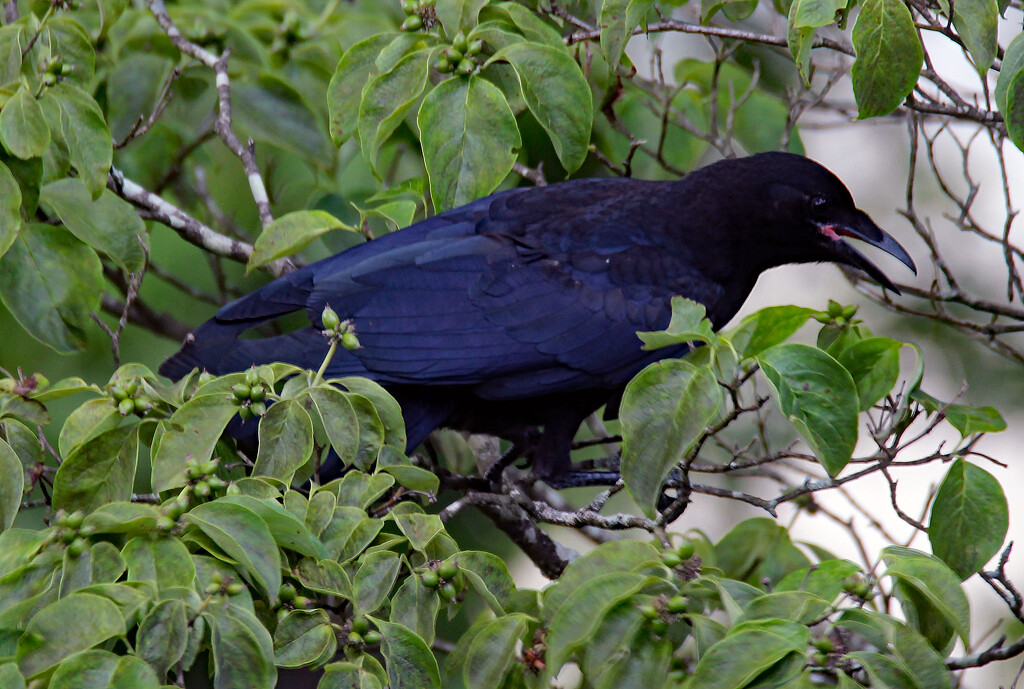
x=819 y=207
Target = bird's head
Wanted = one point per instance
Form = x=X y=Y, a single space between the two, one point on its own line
x=814 y=215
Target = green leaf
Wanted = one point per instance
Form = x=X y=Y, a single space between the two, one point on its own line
x=758 y=549
x=641 y=665
x=94 y=669
x=124 y=517
x=163 y=635
x=558 y=97
x=344 y=93
x=688 y=324
x=1014 y=111
x=325 y=576
x=874 y=365
x=575 y=621
x=883 y=671
x=815 y=13
x=889 y=57
x=1013 y=64
x=387 y=407
x=340 y=422
x=10 y=209
x=67 y=626
x=10 y=678
x=468 y=134
x=967 y=420
x=665 y=410
x=796 y=606
x=612 y=556
x=768 y=327
x=932 y=597
x=415 y=606
x=375 y=579
x=289 y=233
x=818 y=397
x=51 y=282
x=163 y=561
x=618 y=19
x=410 y=663
x=419 y=528
x=489 y=577
x=275 y=112
x=84 y=131
x=824 y=579
x=919 y=660
x=458 y=14
x=98 y=472
x=302 y=637
x=286 y=441
x=976 y=21
x=969 y=519
x=22 y=126
x=493 y=651
x=243 y=652
x=240 y=533
x=108 y=224
x=288 y=530
x=387 y=98
x=12 y=485
x=193 y=431
x=747 y=650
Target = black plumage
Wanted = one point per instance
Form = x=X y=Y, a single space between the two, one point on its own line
x=520 y=310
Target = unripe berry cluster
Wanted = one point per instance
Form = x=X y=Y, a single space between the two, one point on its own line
x=361 y=634
x=338 y=330
x=460 y=56
x=72 y=532
x=837 y=314
x=420 y=14
x=129 y=397
x=445 y=578
x=250 y=396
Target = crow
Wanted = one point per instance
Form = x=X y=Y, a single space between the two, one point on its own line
x=516 y=315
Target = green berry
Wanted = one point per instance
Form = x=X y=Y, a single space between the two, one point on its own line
x=142 y=404
x=212 y=589
x=452 y=54
x=61 y=518
x=372 y=637
x=74 y=520
x=448 y=570
x=205 y=377
x=235 y=588
x=671 y=558
x=252 y=376
x=430 y=579
x=448 y=591
x=49 y=79
x=202 y=489
x=819 y=659
x=823 y=318
x=258 y=408
x=465 y=67
x=131 y=387
x=117 y=392
x=355 y=639
x=676 y=604
x=77 y=547
x=241 y=391
x=216 y=482
x=412 y=23
x=126 y=406
x=659 y=626
x=330 y=318
x=475 y=47
x=286 y=593
x=849 y=311
x=245 y=413
x=360 y=625
x=824 y=645
x=443 y=66
x=209 y=466
x=686 y=550
x=459 y=42
x=165 y=523
x=258 y=392
x=349 y=341
x=409 y=6
x=649 y=611
x=834 y=308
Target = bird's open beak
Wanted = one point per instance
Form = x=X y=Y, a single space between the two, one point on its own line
x=860 y=226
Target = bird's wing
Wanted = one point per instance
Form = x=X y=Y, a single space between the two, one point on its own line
x=546 y=296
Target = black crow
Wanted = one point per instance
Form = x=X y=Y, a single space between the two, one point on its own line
x=519 y=311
